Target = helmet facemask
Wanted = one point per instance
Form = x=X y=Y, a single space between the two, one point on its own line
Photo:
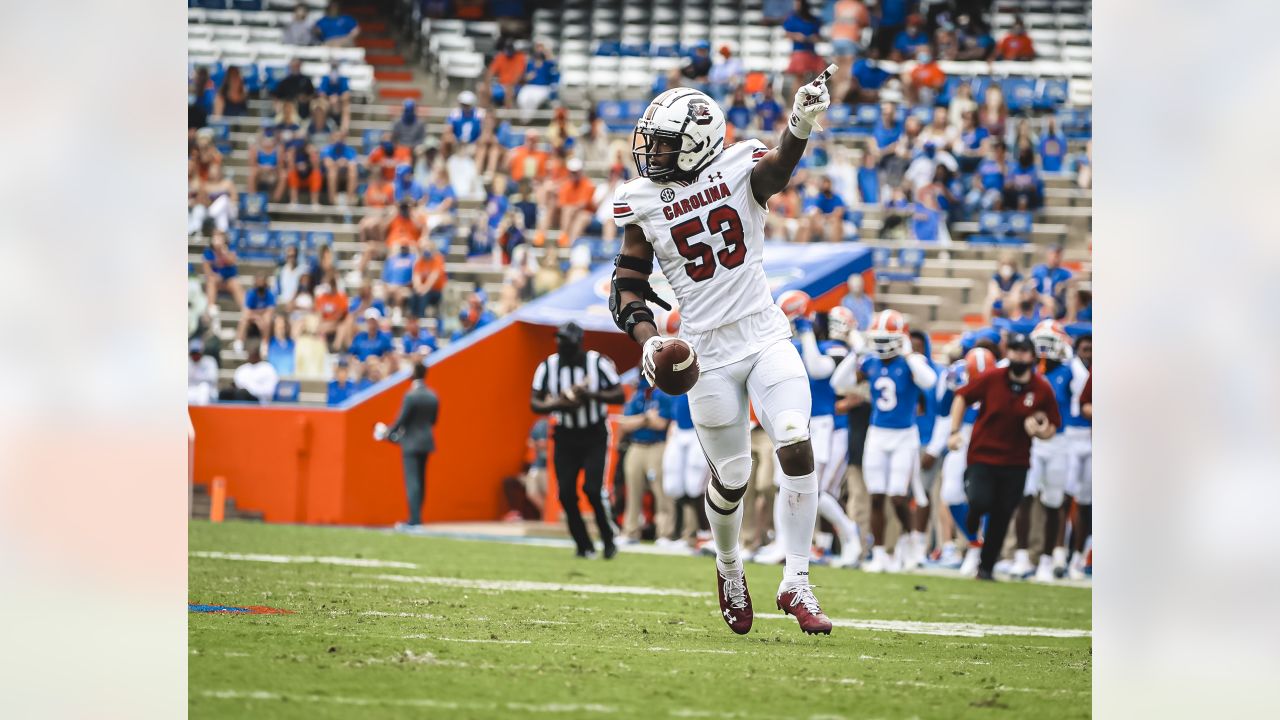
x=644 y=144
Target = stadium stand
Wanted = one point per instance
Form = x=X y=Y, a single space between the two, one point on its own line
x=936 y=251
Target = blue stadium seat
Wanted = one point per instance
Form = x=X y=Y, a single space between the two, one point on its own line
x=369 y=139
x=253 y=207
x=257 y=243
x=1019 y=223
x=247 y=5
x=317 y=239
x=949 y=88
x=1019 y=93
x=638 y=50
x=1076 y=123
x=609 y=48
x=984 y=240
x=212 y=4
x=287 y=391
x=221 y=130
x=979 y=85
x=855 y=217
x=290 y=238
x=666 y=50
x=252 y=80
x=867 y=113
x=911 y=258
x=1051 y=93
x=837 y=117
x=923 y=113
x=880 y=257
x=991 y=222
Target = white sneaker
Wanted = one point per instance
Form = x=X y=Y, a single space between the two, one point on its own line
x=950 y=557
x=1044 y=571
x=850 y=552
x=920 y=547
x=904 y=554
x=879 y=562
x=238 y=345
x=1075 y=568
x=1022 y=567
x=972 y=559
x=771 y=555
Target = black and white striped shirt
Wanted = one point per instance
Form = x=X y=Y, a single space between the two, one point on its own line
x=552 y=378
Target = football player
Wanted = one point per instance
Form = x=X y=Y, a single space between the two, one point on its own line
x=980 y=358
x=699 y=208
x=923 y=477
x=1079 y=434
x=1047 y=475
x=892 y=454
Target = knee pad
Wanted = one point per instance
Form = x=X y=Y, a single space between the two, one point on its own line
x=729 y=484
x=790 y=427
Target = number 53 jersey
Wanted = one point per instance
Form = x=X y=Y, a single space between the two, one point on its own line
x=708 y=236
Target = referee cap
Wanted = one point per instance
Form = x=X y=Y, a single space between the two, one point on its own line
x=570 y=332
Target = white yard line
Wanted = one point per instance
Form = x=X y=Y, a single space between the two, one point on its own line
x=532 y=586
x=567 y=708
x=304 y=559
x=913 y=627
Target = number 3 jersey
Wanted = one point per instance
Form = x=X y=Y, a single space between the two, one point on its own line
x=708 y=237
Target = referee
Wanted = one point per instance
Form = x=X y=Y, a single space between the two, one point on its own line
x=574 y=387
x=1016 y=405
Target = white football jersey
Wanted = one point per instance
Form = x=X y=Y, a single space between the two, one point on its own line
x=708 y=237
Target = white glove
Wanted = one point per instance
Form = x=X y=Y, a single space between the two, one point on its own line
x=811 y=100
x=647 y=366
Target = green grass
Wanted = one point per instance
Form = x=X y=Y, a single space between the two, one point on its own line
x=567 y=654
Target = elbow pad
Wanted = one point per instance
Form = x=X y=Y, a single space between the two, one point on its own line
x=626 y=317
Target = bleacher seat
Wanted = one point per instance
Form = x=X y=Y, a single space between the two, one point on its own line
x=287 y=391
x=253 y=206
x=256 y=243
x=1019 y=93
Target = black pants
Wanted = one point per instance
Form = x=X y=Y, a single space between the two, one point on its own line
x=995 y=491
x=415 y=483
x=576 y=451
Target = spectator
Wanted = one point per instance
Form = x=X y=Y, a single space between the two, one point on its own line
x=1000 y=289
x=215 y=198
x=922 y=169
x=1023 y=189
x=988 y=190
x=304 y=167
x=803 y=28
x=496 y=208
x=378 y=194
x=295 y=89
x=406 y=187
x=370 y=374
x=325 y=269
x=197 y=302
x=1052 y=280
x=202 y=92
x=849 y=19
x=1082 y=310
x=869 y=179
x=336 y=29
x=221 y=271
x=768 y=111
x=254 y=380
x=370 y=295
x=738 y=114
x=464 y=122
x=299 y=30
x=540 y=78
x=945 y=46
x=232 y=99
x=859 y=302
x=473 y=316
x=867 y=80
x=940 y=131
x=202 y=374
x=574 y=203
x=266 y=166
x=506 y=71
x=373 y=342
x=528 y=160
x=892 y=19
x=973 y=40
x=336 y=89
x=416 y=337
x=909 y=42
x=386 y=156
x=726 y=75
x=310 y=353
x=397 y=273
x=968 y=142
x=197 y=117
x=994 y=113
x=340 y=387
x=408 y=130
x=490 y=152
x=886 y=129
x=281 y=347
x=259 y=304
x=926 y=79
x=1053 y=148
x=429 y=278
x=560 y=133
x=289 y=275
x=1083 y=166
x=331 y=304
x=442 y=206
x=824 y=215
x=341 y=161
x=203 y=156
x=320 y=126
x=1017 y=45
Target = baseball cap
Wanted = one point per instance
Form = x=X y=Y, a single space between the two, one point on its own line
x=195 y=346
x=466 y=97
x=373 y=314
x=574 y=165
x=1019 y=341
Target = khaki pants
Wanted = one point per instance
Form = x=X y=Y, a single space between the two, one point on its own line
x=859 y=505
x=756 y=522
x=642 y=460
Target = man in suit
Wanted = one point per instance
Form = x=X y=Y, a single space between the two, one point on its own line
x=413 y=430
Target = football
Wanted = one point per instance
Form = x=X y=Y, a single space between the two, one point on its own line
x=675 y=367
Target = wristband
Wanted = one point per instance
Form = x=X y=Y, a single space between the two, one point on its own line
x=799 y=127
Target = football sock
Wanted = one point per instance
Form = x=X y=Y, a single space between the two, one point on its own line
x=724 y=515
x=799 y=514
x=830 y=510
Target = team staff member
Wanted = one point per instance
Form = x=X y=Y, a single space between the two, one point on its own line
x=1016 y=405
x=414 y=431
x=574 y=387
x=645 y=421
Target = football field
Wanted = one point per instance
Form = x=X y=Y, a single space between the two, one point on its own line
x=390 y=625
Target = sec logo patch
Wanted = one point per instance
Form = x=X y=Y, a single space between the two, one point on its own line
x=668 y=195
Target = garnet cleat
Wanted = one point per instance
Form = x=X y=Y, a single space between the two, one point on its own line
x=735 y=601
x=801 y=603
